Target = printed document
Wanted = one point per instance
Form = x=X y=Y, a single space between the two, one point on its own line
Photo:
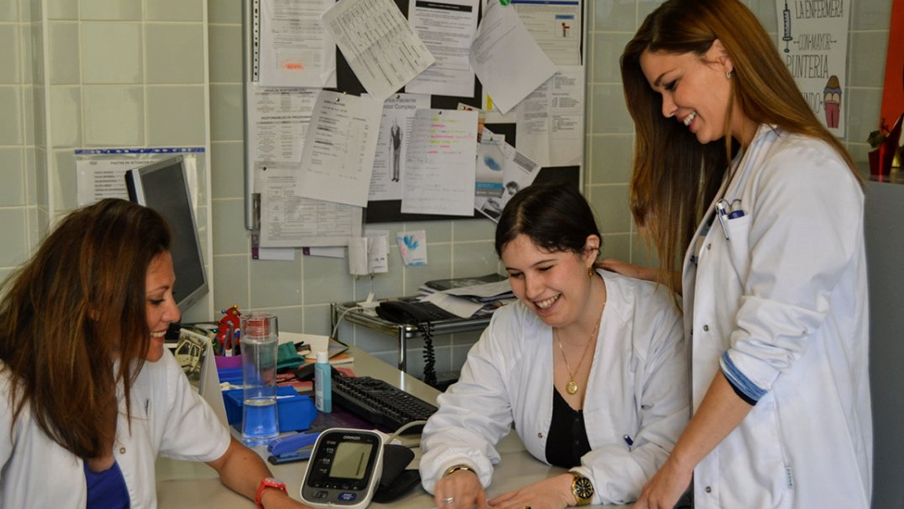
x=555 y=25
x=338 y=153
x=519 y=172
x=291 y=221
x=389 y=160
x=550 y=120
x=506 y=58
x=295 y=50
x=381 y=47
x=440 y=165
x=447 y=28
x=279 y=122
x=105 y=176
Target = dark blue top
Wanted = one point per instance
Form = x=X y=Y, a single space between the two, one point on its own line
x=107 y=489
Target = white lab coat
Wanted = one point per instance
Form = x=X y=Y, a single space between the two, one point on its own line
x=786 y=298
x=168 y=418
x=637 y=387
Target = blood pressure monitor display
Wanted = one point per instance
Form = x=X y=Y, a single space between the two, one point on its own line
x=351 y=460
x=344 y=469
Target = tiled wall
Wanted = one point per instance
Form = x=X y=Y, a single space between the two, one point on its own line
x=124 y=72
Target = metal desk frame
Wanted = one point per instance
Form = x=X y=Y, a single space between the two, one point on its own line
x=402 y=332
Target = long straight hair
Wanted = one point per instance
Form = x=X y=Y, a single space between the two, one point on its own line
x=675 y=177
x=77 y=304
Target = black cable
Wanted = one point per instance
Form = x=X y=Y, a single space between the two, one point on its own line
x=426 y=330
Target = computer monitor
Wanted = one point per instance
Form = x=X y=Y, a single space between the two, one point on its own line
x=163 y=186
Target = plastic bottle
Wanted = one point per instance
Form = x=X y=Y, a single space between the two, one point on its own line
x=323 y=388
x=260 y=419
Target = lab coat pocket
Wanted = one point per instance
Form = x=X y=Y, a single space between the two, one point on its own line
x=738 y=230
x=764 y=444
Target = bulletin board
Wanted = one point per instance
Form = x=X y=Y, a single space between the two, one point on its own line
x=346 y=82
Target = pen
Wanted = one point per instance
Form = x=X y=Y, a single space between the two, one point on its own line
x=722 y=214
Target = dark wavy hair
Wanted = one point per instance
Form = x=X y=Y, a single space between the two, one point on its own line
x=675 y=177
x=554 y=217
x=80 y=300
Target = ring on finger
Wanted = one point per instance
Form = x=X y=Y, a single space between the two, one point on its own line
x=448 y=500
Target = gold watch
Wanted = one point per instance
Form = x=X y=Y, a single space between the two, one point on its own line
x=581 y=488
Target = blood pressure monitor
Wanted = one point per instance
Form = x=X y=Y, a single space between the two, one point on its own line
x=344 y=469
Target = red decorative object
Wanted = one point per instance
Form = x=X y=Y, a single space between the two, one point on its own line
x=228 y=326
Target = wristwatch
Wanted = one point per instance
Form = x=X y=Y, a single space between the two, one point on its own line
x=581 y=488
x=268 y=483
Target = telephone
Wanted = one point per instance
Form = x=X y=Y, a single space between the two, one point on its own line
x=411 y=312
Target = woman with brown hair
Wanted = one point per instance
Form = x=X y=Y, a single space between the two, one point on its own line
x=92 y=396
x=731 y=165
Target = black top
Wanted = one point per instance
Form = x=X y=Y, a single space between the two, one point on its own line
x=567 y=438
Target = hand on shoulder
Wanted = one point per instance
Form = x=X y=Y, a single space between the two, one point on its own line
x=628 y=269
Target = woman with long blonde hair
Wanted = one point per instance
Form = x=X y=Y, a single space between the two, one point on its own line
x=733 y=169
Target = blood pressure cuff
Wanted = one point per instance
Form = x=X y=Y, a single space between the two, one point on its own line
x=396 y=480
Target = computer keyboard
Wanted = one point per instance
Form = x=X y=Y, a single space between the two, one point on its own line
x=380 y=403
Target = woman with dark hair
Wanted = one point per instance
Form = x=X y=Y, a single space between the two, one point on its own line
x=588 y=365
x=92 y=396
x=731 y=165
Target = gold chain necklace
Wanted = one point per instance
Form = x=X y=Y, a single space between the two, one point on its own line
x=572 y=386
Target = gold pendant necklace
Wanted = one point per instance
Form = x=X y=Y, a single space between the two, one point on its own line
x=572 y=386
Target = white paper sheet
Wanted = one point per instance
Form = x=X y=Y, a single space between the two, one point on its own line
x=338 y=154
x=105 y=177
x=440 y=165
x=381 y=47
x=295 y=50
x=280 y=118
x=290 y=221
x=556 y=26
x=520 y=172
x=506 y=58
x=389 y=159
x=447 y=28
x=550 y=120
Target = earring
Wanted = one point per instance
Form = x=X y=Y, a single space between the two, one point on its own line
x=590 y=272
x=728 y=75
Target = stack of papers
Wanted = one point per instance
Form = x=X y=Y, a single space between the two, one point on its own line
x=467 y=297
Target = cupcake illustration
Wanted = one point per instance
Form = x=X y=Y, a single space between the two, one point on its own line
x=832 y=101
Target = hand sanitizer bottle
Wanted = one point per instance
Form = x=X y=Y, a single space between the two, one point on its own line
x=323 y=390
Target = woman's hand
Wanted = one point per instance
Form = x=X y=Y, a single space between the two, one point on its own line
x=552 y=493
x=664 y=489
x=628 y=269
x=459 y=490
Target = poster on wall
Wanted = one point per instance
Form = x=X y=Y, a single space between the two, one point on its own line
x=812 y=39
x=893 y=90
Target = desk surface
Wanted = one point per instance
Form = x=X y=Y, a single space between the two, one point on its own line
x=182 y=484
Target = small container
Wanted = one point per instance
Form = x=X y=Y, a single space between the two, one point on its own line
x=323 y=383
x=296 y=411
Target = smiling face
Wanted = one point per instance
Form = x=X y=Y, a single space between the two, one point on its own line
x=553 y=284
x=695 y=91
x=160 y=304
